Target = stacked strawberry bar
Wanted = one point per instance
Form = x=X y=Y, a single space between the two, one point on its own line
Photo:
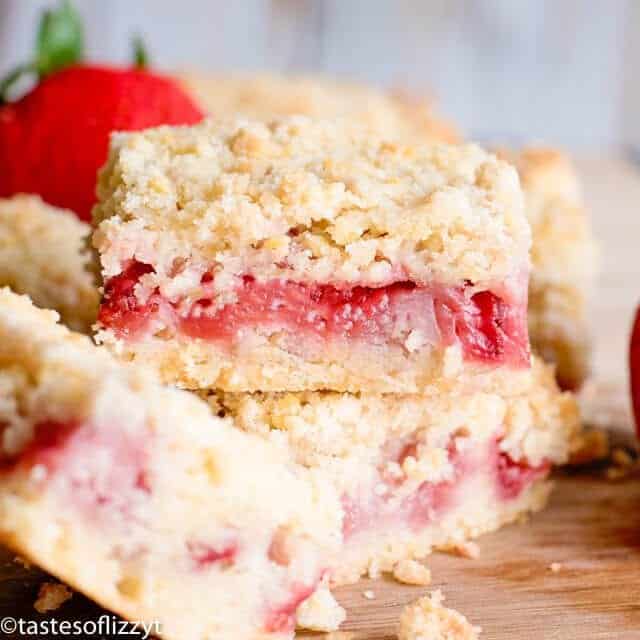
x=205 y=530
x=413 y=472
x=360 y=304
x=311 y=255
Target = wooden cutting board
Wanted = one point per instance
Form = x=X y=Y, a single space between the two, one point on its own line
x=592 y=526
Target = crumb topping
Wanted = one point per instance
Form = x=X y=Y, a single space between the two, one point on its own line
x=309 y=201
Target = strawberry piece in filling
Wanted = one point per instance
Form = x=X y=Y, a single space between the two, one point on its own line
x=205 y=555
x=66 y=451
x=512 y=477
x=489 y=328
x=371 y=511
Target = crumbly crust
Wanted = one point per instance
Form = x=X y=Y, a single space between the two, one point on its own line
x=305 y=200
x=538 y=422
x=44 y=254
x=127 y=545
x=396 y=114
x=564 y=260
x=428 y=619
x=272 y=363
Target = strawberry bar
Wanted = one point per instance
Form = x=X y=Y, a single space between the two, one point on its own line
x=138 y=497
x=44 y=254
x=413 y=472
x=564 y=262
x=307 y=254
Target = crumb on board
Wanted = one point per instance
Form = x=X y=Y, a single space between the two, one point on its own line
x=23 y=562
x=368 y=594
x=622 y=465
x=622 y=458
x=592 y=446
x=412 y=572
x=320 y=612
x=428 y=619
x=555 y=567
x=467 y=549
x=52 y=596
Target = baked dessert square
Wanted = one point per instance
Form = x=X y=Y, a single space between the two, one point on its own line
x=264 y=96
x=137 y=496
x=564 y=261
x=303 y=254
x=414 y=473
x=44 y=253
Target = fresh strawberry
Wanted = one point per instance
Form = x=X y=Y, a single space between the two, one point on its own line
x=634 y=369
x=55 y=138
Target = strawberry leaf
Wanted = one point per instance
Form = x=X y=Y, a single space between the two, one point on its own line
x=60 y=40
x=140 y=53
x=60 y=43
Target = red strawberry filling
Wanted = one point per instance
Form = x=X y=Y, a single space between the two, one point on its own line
x=119 y=474
x=205 y=555
x=282 y=618
x=489 y=328
x=370 y=511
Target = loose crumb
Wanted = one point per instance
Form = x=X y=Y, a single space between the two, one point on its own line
x=23 y=562
x=320 y=612
x=622 y=458
x=623 y=464
x=412 y=572
x=555 y=567
x=617 y=473
x=466 y=550
x=52 y=596
x=368 y=594
x=592 y=446
x=427 y=619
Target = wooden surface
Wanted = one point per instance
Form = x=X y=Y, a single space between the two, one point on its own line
x=592 y=526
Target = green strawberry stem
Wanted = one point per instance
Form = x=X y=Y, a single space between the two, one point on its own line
x=60 y=43
x=140 y=53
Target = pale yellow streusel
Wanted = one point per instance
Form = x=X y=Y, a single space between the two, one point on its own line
x=320 y=201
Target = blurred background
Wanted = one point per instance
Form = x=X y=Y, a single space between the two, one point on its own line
x=554 y=71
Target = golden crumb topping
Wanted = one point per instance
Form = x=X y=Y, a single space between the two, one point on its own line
x=307 y=200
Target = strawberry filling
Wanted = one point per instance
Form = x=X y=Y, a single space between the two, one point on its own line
x=205 y=555
x=282 y=617
x=488 y=327
x=370 y=511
